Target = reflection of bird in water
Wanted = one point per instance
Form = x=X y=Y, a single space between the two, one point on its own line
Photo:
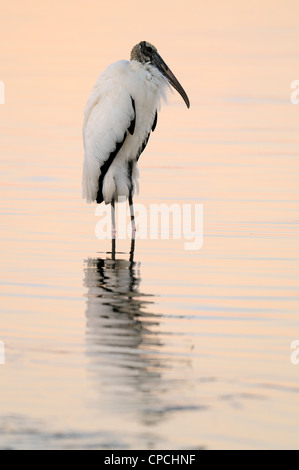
x=122 y=336
x=138 y=379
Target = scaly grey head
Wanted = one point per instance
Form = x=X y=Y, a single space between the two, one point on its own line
x=146 y=53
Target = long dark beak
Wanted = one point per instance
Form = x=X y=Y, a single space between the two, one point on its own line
x=172 y=79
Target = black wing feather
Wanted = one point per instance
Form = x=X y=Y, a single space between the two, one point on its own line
x=105 y=167
x=133 y=122
x=145 y=142
x=155 y=122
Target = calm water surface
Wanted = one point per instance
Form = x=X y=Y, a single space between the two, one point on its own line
x=171 y=349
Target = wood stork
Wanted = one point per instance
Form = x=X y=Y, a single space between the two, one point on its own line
x=118 y=119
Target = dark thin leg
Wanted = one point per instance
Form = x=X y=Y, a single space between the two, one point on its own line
x=133 y=228
x=113 y=249
x=113 y=229
x=132 y=250
x=132 y=216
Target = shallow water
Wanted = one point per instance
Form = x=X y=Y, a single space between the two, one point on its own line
x=172 y=349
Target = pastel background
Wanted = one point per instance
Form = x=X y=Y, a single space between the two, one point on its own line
x=179 y=349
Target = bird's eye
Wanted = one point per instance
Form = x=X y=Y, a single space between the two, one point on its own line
x=147 y=48
x=149 y=53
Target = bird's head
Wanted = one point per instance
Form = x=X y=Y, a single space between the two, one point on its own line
x=146 y=53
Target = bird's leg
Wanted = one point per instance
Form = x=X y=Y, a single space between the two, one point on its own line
x=113 y=229
x=132 y=216
x=113 y=249
x=132 y=250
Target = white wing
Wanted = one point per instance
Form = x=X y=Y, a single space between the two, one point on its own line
x=107 y=117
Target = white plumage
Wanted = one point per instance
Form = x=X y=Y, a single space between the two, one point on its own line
x=108 y=115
